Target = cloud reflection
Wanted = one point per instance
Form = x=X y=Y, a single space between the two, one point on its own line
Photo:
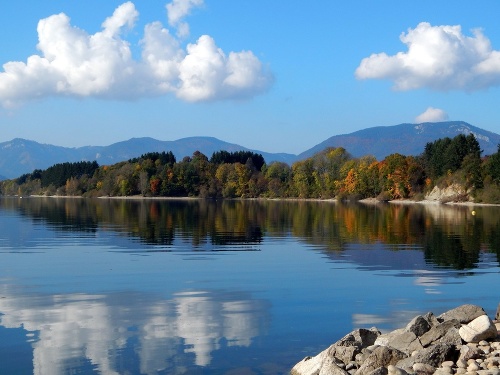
x=164 y=334
x=384 y=323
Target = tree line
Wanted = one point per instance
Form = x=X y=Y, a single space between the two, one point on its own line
x=332 y=173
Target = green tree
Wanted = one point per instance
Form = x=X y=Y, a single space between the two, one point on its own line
x=492 y=166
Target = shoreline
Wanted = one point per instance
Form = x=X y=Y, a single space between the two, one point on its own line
x=368 y=201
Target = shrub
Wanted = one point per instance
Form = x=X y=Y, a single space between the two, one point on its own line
x=490 y=194
x=384 y=196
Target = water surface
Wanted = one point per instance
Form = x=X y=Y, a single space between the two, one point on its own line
x=232 y=287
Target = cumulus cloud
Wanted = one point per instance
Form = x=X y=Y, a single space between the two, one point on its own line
x=177 y=10
x=440 y=58
x=431 y=115
x=75 y=63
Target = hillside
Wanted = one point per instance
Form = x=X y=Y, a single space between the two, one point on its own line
x=406 y=139
x=21 y=156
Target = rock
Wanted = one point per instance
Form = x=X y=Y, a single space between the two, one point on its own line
x=446 y=194
x=461 y=363
x=379 y=371
x=345 y=350
x=384 y=339
x=393 y=370
x=309 y=365
x=439 y=350
x=351 y=344
x=443 y=371
x=351 y=366
x=468 y=352
x=464 y=314
x=418 y=325
x=433 y=355
x=497 y=315
x=481 y=328
x=381 y=356
x=423 y=369
x=446 y=329
x=330 y=367
x=406 y=342
x=448 y=364
x=488 y=372
x=452 y=336
x=474 y=366
x=431 y=318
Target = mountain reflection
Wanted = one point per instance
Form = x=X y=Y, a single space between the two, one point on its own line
x=103 y=330
x=449 y=236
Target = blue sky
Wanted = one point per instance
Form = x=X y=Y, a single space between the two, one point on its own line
x=269 y=75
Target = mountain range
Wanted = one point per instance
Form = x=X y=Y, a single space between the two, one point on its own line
x=21 y=156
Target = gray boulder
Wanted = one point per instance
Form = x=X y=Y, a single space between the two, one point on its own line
x=379 y=371
x=423 y=369
x=343 y=350
x=439 y=331
x=431 y=318
x=385 y=338
x=418 y=325
x=406 y=342
x=381 y=357
x=330 y=367
x=351 y=344
x=469 y=352
x=393 y=370
x=433 y=355
x=464 y=314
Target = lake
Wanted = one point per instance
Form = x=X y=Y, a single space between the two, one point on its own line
x=111 y=286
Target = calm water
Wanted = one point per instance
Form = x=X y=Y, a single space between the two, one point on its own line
x=195 y=287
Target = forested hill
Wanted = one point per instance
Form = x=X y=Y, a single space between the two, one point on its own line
x=332 y=173
x=406 y=139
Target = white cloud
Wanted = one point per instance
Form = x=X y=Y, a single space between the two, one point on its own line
x=74 y=63
x=439 y=58
x=431 y=115
x=177 y=10
x=207 y=72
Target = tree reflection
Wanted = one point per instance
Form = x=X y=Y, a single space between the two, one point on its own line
x=450 y=236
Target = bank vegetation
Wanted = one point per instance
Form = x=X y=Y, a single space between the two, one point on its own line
x=332 y=173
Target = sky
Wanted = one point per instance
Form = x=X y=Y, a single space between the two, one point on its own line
x=269 y=75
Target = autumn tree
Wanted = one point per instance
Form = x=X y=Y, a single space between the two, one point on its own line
x=278 y=175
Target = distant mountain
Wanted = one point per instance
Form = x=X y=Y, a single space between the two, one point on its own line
x=21 y=156
x=406 y=139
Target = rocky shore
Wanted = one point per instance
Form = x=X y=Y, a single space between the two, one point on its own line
x=463 y=340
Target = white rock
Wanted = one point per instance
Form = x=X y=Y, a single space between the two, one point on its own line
x=448 y=364
x=481 y=328
x=309 y=365
x=393 y=370
x=423 y=368
x=474 y=366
